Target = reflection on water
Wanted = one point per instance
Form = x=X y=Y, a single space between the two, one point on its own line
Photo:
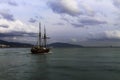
x=22 y=66
x=38 y=68
x=63 y=64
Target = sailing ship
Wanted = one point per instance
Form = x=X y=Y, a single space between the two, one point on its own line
x=41 y=46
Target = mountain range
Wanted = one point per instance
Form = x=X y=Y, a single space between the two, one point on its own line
x=62 y=45
x=17 y=44
x=14 y=44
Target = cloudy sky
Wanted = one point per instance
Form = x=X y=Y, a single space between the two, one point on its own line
x=86 y=22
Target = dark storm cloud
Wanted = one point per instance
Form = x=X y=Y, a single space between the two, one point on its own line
x=13 y=3
x=92 y=22
x=65 y=19
x=9 y=2
x=116 y=3
x=31 y=20
x=17 y=34
x=56 y=7
x=7 y=16
x=59 y=24
x=72 y=23
x=81 y=22
x=77 y=25
x=4 y=25
x=39 y=17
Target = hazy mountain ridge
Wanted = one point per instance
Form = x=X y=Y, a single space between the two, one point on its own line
x=17 y=44
x=60 y=45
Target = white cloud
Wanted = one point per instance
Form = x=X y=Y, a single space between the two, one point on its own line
x=107 y=35
x=115 y=34
x=87 y=9
x=74 y=40
x=70 y=5
x=65 y=6
x=16 y=25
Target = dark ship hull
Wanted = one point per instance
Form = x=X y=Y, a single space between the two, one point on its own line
x=40 y=50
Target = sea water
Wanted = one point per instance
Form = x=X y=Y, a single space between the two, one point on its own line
x=61 y=64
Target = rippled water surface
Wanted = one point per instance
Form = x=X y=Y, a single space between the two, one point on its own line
x=61 y=64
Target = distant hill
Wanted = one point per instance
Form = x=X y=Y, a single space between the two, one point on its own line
x=14 y=44
x=17 y=44
x=60 y=45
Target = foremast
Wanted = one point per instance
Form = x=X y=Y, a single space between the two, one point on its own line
x=39 y=37
x=45 y=38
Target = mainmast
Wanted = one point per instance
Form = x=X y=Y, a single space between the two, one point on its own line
x=45 y=37
x=39 y=39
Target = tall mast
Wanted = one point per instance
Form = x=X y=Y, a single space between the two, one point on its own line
x=45 y=37
x=39 y=39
